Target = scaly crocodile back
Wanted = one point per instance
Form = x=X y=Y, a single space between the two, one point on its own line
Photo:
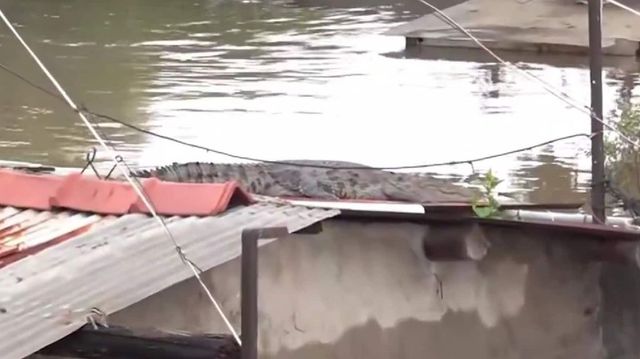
x=343 y=181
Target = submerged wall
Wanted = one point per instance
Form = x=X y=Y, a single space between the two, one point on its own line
x=366 y=291
x=620 y=311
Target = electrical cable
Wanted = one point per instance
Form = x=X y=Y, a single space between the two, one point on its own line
x=287 y=163
x=120 y=162
x=625 y=7
x=559 y=94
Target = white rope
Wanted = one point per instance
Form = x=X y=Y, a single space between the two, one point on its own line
x=119 y=163
x=549 y=88
x=625 y=7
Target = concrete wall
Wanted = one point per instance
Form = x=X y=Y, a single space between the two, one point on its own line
x=620 y=312
x=366 y=291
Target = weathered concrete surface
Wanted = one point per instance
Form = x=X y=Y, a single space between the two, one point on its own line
x=554 y=26
x=366 y=291
x=620 y=311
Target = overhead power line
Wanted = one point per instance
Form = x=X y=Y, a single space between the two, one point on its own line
x=625 y=7
x=549 y=88
x=557 y=93
x=126 y=124
x=121 y=164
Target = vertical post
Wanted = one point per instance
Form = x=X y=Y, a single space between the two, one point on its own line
x=597 y=140
x=249 y=286
x=249 y=297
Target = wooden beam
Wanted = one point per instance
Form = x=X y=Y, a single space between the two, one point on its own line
x=119 y=342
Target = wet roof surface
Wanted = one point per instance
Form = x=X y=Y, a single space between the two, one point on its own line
x=57 y=265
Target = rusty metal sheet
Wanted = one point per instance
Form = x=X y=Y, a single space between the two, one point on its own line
x=453 y=208
x=360 y=205
x=466 y=208
x=604 y=232
x=118 y=262
x=24 y=232
x=558 y=222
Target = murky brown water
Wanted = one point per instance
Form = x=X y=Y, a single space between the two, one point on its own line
x=289 y=79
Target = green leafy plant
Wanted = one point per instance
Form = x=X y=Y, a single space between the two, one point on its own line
x=488 y=205
x=622 y=158
x=617 y=149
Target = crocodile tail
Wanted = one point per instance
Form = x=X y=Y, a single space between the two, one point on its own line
x=253 y=178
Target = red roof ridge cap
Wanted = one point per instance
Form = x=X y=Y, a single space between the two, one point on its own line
x=94 y=195
x=24 y=190
x=191 y=199
x=83 y=193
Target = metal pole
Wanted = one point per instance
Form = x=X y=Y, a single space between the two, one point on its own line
x=597 y=144
x=249 y=286
x=249 y=297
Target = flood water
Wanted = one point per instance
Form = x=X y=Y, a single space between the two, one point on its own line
x=293 y=79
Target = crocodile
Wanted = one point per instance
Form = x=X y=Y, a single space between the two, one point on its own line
x=341 y=181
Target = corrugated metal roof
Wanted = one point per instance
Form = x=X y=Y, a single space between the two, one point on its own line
x=116 y=262
x=24 y=232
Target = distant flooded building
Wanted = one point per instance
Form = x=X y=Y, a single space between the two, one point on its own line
x=543 y=26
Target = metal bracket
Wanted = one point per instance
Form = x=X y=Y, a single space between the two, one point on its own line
x=90 y=157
